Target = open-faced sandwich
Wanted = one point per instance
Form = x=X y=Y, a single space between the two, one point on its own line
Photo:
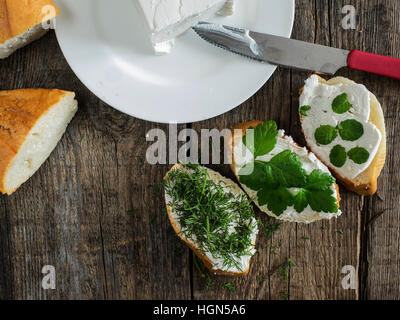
x=344 y=126
x=213 y=216
x=32 y=121
x=285 y=181
x=21 y=23
x=167 y=19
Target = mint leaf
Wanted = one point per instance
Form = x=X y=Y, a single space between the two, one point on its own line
x=338 y=156
x=261 y=176
x=350 y=130
x=341 y=104
x=277 y=200
x=264 y=138
x=287 y=170
x=303 y=110
x=359 y=155
x=322 y=201
x=325 y=134
x=300 y=201
x=319 y=180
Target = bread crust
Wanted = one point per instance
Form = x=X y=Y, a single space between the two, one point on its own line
x=366 y=183
x=254 y=123
x=19 y=112
x=17 y=16
x=207 y=262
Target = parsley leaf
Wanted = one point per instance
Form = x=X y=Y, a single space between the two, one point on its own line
x=359 y=155
x=300 y=201
x=325 y=134
x=259 y=178
x=319 y=180
x=264 y=138
x=303 y=110
x=287 y=169
x=341 y=104
x=350 y=130
x=338 y=156
x=277 y=200
x=322 y=201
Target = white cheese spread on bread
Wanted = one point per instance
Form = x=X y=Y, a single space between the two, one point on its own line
x=243 y=156
x=319 y=101
x=216 y=188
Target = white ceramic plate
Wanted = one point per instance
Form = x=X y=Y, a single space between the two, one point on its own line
x=105 y=45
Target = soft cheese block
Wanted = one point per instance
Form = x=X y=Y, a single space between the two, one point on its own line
x=21 y=23
x=167 y=19
x=243 y=156
x=32 y=121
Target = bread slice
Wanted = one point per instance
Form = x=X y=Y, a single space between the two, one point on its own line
x=21 y=23
x=207 y=259
x=366 y=182
x=32 y=121
x=238 y=131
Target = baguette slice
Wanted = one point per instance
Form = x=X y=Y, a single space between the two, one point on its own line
x=207 y=259
x=32 y=121
x=238 y=131
x=366 y=182
x=21 y=23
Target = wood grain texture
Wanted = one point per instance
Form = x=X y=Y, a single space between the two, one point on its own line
x=92 y=210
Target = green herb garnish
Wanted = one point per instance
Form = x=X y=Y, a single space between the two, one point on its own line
x=264 y=138
x=285 y=267
x=325 y=134
x=341 y=104
x=228 y=286
x=338 y=156
x=275 y=180
x=358 y=155
x=221 y=222
x=350 y=130
x=303 y=110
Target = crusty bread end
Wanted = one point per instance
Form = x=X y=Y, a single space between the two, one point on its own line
x=21 y=23
x=32 y=121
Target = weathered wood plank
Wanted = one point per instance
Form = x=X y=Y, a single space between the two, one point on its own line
x=379 y=32
x=73 y=213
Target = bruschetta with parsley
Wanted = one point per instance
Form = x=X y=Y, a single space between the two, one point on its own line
x=283 y=179
x=213 y=216
x=344 y=125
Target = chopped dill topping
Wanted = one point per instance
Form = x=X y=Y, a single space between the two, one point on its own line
x=219 y=221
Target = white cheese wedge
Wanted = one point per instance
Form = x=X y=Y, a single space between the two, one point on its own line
x=310 y=162
x=167 y=19
x=319 y=97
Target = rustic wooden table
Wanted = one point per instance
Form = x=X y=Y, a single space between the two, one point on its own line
x=92 y=212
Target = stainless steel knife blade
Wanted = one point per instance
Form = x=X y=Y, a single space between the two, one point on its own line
x=273 y=49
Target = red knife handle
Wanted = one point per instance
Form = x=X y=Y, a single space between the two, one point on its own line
x=385 y=66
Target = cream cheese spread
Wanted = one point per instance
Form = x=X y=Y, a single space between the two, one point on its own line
x=320 y=97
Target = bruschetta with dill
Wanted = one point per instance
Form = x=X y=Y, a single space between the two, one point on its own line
x=213 y=216
x=285 y=180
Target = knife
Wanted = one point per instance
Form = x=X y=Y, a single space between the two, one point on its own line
x=294 y=53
